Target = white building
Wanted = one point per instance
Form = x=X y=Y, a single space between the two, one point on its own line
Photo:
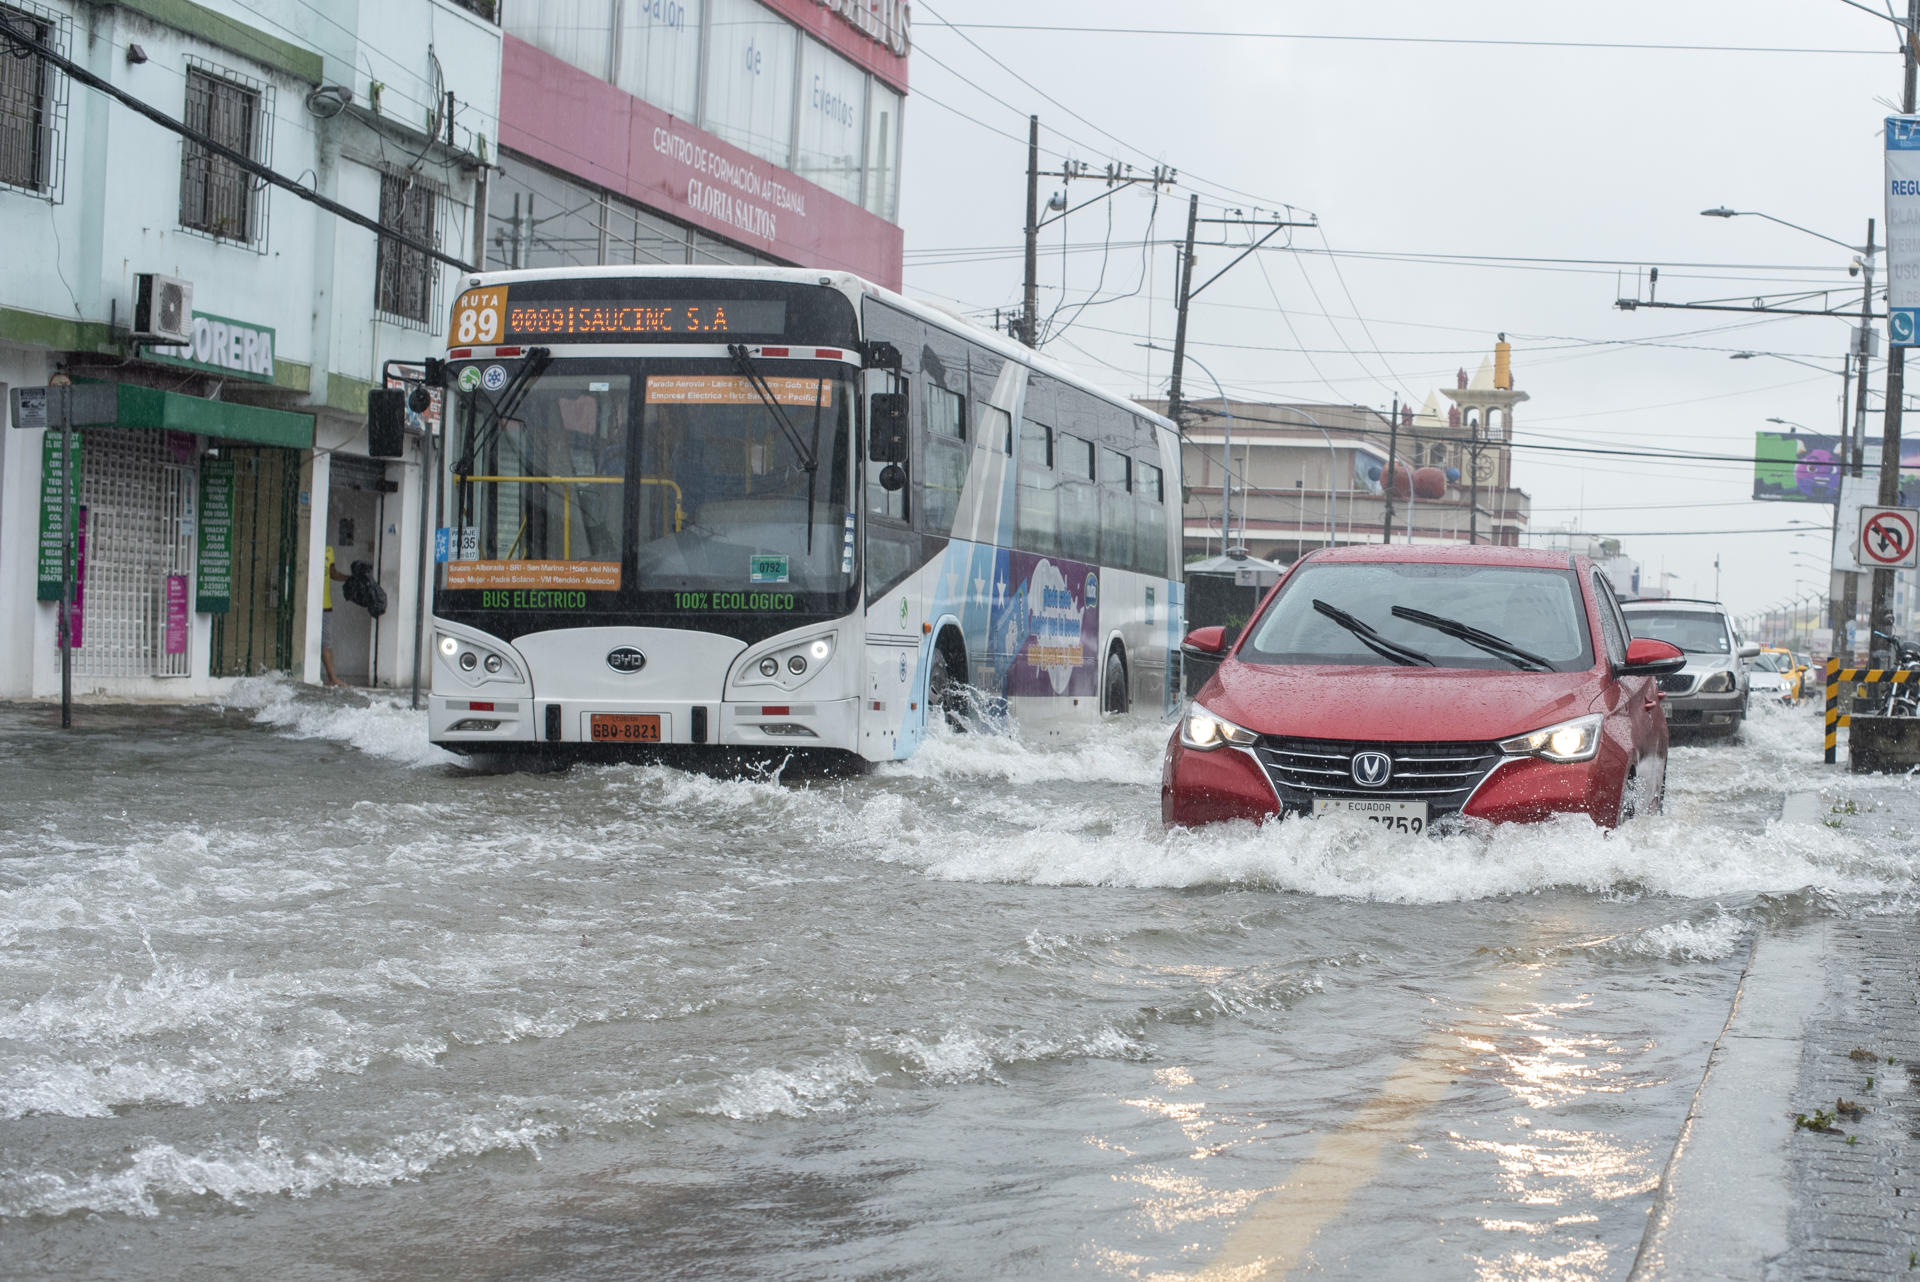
x=236 y=459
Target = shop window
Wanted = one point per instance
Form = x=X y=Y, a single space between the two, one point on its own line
x=33 y=106
x=883 y=153
x=407 y=279
x=218 y=197
x=537 y=219
x=750 y=79
x=833 y=116
x=660 y=54
x=579 y=32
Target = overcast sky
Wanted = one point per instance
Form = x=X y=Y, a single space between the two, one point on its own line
x=1468 y=130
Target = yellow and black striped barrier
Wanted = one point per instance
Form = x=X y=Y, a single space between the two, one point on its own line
x=1860 y=676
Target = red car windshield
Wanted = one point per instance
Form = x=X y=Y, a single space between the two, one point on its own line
x=1425 y=614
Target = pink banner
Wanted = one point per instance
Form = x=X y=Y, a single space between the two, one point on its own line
x=176 y=614
x=581 y=125
x=79 y=577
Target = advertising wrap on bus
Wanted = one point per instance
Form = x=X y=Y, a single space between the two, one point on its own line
x=1046 y=625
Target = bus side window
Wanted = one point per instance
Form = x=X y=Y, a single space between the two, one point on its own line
x=1036 y=519
x=1116 y=509
x=944 y=473
x=1151 y=510
x=1079 y=499
x=996 y=429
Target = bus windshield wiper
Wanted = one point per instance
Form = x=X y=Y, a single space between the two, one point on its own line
x=745 y=365
x=1405 y=656
x=500 y=409
x=1473 y=636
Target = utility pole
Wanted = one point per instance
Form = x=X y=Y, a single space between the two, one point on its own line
x=1881 y=614
x=1180 y=297
x=1851 y=451
x=1188 y=291
x=1393 y=445
x=1030 y=300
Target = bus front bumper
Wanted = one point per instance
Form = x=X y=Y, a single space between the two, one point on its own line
x=462 y=724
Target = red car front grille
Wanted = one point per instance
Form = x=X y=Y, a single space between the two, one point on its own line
x=1443 y=775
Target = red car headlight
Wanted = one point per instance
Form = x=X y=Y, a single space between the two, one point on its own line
x=1576 y=740
x=1204 y=732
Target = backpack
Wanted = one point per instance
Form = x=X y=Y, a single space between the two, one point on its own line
x=361 y=590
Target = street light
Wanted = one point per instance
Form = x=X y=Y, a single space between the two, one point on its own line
x=1724 y=212
x=1787 y=422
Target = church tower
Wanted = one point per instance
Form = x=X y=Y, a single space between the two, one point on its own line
x=1485 y=407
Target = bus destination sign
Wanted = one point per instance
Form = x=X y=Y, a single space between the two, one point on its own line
x=623 y=319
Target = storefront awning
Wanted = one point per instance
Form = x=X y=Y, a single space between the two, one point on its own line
x=177 y=412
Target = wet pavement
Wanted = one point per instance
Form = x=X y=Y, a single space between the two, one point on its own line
x=284 y=990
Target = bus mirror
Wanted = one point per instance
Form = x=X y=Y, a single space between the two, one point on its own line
x=893 y=478
x=887 y=427
x=386 y=422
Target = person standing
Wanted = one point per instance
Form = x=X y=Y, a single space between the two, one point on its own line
x=326 y=619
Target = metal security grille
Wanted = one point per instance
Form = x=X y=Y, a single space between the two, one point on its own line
x=33 y=103
x=255 y=635
x=407 y=280
x=217 y=196
x=138 y=495
x=1443 y=775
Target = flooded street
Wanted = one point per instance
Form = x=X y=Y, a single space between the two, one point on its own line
x=286 y=992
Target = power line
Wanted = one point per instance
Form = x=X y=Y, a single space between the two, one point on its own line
x=1486 y=41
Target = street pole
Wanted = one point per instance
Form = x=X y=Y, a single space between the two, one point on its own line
x=1181 y=294
x=1030 y=321
x=1473 y=485
x=1881 y=613
x=1852 y=451
x=1393 y=444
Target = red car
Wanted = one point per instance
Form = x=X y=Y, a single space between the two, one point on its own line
x=1411 y=684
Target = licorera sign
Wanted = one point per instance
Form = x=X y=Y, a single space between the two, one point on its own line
x=222 y=345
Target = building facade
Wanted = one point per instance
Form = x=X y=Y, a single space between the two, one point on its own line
x=702 y=131
x=1294 y=477
x=238 y=325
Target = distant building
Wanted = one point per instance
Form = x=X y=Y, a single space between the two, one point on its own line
x=1305 y=475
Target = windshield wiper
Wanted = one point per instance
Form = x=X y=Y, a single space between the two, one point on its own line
x=745 y=365
x=1473 y=636
x=1405 y=656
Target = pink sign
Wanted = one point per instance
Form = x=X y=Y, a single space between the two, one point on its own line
x=176 y=614
x=579 y=124
x=79 y=577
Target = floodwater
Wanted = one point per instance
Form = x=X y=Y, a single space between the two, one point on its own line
x=287 y=993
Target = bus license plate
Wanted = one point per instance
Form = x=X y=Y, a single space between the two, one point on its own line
x=624 y=727
x=1401 y=816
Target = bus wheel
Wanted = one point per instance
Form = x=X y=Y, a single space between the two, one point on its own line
x=946 y=673
x=1113 y=686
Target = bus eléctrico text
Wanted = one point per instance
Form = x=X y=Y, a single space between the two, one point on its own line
x=773 y=508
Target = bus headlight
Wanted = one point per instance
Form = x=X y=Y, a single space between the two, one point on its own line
x=797 y=664
x=493 y=663
x=448 y=646
x=469 y=661
x=769 y=667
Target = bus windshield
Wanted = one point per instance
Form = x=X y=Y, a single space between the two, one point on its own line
x=694 y=478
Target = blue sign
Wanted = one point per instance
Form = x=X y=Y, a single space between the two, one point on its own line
x=1902 y=324
x=442 y=545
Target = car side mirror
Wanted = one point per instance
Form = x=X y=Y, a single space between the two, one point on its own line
x=1750 y=650
x=1206 y=641
x=887 y=427
x=1647 y=657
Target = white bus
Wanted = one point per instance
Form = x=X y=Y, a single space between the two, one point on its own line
x=754 y=508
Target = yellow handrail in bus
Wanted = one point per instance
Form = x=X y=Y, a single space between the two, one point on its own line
x=679 y=509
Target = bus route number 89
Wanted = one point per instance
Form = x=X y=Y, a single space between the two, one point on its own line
x=477 y=317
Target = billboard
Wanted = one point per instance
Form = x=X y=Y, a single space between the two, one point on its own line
x=1801 y=467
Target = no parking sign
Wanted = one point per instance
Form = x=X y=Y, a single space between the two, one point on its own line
x=1887 y=538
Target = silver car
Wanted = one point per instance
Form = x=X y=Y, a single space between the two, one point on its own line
x=1708 y=696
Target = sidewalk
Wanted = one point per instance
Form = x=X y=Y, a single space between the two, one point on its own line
x=1826 y=1011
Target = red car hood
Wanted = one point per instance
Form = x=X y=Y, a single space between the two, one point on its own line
x=1405 y=704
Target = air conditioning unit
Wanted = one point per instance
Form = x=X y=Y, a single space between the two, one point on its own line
x=162 y=308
